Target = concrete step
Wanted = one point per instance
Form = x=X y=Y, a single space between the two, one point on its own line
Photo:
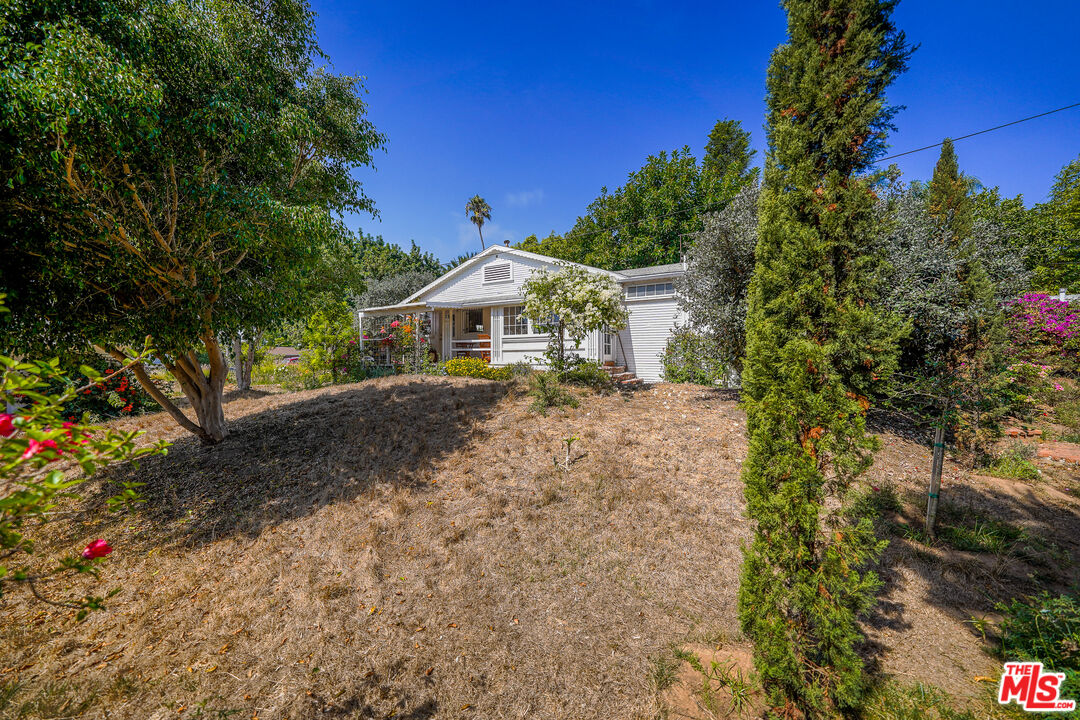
x=620 y=377
x=615 y=369
x=632 y=382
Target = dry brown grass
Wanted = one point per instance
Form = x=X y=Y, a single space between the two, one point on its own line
x=407 y=547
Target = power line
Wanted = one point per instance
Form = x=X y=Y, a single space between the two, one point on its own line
x=980 y=132
x=696 y=208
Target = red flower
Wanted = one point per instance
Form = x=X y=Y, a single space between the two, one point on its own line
x=37 y=446
x=127 y=408
x=394 y=324
x=98 y=548
x=7 y=426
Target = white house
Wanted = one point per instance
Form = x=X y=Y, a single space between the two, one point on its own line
x=476 y=309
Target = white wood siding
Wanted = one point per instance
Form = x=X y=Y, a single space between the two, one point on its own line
x=641 y=343
x=470 y=286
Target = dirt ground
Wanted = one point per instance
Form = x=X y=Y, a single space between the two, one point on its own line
x=408 y=548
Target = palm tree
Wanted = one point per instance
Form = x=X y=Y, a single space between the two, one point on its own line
x=478 y=212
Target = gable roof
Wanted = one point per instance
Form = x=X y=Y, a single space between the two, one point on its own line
x=498 y=250
x=670 y=269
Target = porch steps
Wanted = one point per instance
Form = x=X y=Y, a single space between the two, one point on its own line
x=622 y=378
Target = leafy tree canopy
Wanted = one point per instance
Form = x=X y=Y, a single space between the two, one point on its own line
x=170 y=168
x=649 y=220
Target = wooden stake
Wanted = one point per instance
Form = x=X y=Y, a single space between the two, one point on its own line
x=935 y=474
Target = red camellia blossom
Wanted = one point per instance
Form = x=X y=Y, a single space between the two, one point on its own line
x=7 y=425
x=98 y=548
x=37 y=446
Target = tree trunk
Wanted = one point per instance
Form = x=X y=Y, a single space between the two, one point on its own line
x=203 y=392
x=480 y=230
x=243 y=361
x=252 y=344
x=238 y=363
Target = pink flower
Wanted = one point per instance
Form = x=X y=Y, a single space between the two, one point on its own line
x=37 y=446
x=394 y=324
x=1057 y=386
x=7 y=425
x=98 y=548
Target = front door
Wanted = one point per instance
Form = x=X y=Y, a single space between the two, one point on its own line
x=607 y=346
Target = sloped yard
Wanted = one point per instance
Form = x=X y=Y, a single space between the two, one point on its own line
x=408 y=547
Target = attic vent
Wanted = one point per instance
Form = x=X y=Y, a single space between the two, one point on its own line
x=497 y=272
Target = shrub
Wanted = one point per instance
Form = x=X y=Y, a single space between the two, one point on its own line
x=34 y=438
x=1043 y=327
x=546 y=392
x=1015 y=461
x=520 y=369
x=587 y=373
x=693 y=357
x=1045 y=628
x=475 y=368
x=116 y=394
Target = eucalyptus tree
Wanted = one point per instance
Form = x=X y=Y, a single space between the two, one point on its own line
x=173 y=169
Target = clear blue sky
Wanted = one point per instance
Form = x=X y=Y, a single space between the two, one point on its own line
x=535 y=106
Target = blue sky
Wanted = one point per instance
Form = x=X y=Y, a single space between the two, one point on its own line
x=536 y=106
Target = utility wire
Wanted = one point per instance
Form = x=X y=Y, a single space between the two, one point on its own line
x=980 y=132
x=695 y=208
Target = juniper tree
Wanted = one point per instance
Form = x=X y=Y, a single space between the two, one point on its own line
x=816 y=350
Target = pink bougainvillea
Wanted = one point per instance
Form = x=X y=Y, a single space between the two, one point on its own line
x=1038 y=320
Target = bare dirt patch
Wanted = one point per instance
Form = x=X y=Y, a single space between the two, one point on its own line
x=407 y=547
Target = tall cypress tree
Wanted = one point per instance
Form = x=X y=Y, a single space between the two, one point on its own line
x=816 y=350
x=947 y=195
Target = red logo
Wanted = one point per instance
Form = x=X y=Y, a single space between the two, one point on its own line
x=1032 y=689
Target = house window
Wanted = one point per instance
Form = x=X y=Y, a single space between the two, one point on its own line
x=651 y=290
x=474 y=320
x=514 y=321
x=497 y=272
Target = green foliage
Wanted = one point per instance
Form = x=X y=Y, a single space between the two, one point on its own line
x=692 y=357
x=327 y=334
x=728 y=153
x=571 y=303
x=947 y=197
x=1053 y=245
x=547 y=392
x=171 y=169
x=816 y=350
x=1045 y=628
x=117 y=394
x=647 y=220
x=35 y=437
x=1015 y=461
x=475 y=368
x=890 y=700
x=587 y=373
x=719 y=266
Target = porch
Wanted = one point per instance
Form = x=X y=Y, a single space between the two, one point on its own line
x=499 y=334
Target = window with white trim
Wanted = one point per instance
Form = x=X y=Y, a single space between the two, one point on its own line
x=498 y=272
x=651 y=290
x=514 y=321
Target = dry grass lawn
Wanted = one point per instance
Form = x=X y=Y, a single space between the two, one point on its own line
x=407 y=548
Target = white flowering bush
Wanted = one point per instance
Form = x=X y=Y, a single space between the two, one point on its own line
x=571 y=303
